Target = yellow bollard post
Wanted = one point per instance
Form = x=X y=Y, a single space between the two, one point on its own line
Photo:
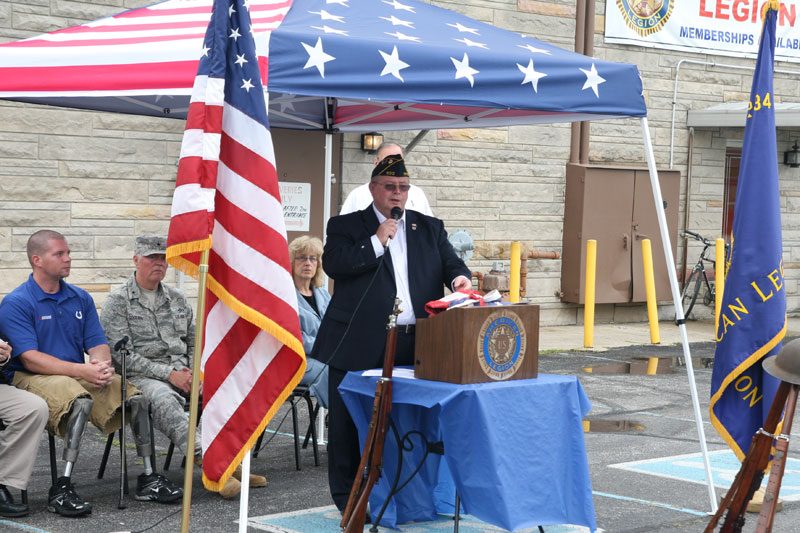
x=513 y=284
x=650 y=289
x=719 y=275
x=588 y=306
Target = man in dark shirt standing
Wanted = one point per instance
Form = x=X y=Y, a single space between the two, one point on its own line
x=373 y=256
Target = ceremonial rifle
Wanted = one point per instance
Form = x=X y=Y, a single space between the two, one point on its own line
x=748 y=480
x=371 y=464
x=768 y=507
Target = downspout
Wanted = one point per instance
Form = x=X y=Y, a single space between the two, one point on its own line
x=580 y=27
x=690 y=150
x=588 y=49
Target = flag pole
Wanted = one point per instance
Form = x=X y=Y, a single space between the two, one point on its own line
x=676 y=299
x=244 y=498
x=194 y=396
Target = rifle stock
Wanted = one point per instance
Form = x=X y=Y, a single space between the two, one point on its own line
x=369 y=468
x=749 y=477
x=767 y=515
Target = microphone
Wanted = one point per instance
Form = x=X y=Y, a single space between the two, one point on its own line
x=396 y=214
x=120 y=343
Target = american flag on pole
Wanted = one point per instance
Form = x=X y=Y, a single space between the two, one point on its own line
x=227 y=199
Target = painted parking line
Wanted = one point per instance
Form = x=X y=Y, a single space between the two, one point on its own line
x=724 y=467
x=322 y=519
x=21 y=527
x=650 y=502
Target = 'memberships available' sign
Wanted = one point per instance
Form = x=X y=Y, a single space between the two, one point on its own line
x=722 y=27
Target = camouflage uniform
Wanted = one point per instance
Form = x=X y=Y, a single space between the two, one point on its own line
x=161 y=340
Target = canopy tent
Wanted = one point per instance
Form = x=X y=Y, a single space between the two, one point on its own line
x=341 y=65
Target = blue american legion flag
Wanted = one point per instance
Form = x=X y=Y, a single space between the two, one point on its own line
x=227 y=201
x=752 y=320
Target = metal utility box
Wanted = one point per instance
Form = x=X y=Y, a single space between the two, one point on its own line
x=615 y=207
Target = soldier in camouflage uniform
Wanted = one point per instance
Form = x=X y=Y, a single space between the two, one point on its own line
x=158 y=321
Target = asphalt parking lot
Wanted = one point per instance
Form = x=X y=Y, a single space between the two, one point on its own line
x=642 y=446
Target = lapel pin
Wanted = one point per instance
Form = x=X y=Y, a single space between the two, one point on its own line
x=413 y=227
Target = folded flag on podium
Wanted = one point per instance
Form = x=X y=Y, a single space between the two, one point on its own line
x=752 y=318
x=227 y=200
x=468 y=298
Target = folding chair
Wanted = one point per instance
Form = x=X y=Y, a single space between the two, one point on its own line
x=301 y=392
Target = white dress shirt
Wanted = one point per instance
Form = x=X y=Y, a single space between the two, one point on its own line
x=360 y=197
x=399 y=248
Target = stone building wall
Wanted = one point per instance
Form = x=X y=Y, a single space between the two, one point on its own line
x=102 y=178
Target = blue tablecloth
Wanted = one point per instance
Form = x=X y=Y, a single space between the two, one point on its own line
x=514 y=449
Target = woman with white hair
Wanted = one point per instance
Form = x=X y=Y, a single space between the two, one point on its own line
x=312 y=301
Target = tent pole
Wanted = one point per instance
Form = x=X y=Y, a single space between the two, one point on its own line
x=326 y=213
x=244 y=497
x=676 y=299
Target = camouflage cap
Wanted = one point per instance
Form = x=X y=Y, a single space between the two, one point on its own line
x=150 y=245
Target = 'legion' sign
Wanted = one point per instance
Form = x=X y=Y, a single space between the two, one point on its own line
x=720 y=27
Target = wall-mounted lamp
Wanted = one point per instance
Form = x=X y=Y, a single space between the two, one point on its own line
x=371 y=141
x=791 y=158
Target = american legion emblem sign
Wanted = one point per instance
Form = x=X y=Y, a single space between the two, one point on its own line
x=501 y=345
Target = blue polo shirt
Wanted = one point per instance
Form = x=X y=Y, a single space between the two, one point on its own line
x=64 y=325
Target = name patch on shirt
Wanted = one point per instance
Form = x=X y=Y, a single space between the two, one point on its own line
x=46 y=317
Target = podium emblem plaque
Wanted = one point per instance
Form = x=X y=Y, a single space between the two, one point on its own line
x=501 y=345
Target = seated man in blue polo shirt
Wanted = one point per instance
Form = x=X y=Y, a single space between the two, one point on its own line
x=51 y=325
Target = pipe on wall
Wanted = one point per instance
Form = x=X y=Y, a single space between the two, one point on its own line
x=588 y=49
x=580 y=39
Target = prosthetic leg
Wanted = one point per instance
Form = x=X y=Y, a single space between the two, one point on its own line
x=140 y=425
x=150 y=486
x=76 y=424
x=62 y=498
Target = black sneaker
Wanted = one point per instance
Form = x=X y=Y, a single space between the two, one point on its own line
x=65 y=501
x=156 y=488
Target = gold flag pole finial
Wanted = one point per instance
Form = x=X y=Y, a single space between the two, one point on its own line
x=774 y=5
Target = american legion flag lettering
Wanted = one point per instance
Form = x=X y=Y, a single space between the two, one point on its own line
x=227 y=199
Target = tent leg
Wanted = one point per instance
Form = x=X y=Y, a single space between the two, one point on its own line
x=326 y=213
x=676 y=299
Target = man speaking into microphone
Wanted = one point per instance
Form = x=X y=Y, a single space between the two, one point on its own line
x=374 y=255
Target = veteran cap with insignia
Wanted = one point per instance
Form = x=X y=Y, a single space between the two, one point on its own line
x=391 y=165
x=150 y=245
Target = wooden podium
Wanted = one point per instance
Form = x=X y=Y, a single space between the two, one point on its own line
x=478 y=344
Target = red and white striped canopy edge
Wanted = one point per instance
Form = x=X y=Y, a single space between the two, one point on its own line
x=144 y=51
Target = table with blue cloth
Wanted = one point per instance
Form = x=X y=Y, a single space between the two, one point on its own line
x=514 y=450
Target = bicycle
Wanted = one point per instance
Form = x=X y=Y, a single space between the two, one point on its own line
x=698 y=277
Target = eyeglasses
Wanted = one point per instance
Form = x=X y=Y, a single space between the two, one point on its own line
x=392 y=187
x=304 y=258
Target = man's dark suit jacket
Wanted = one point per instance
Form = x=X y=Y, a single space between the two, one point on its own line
x=349 y=259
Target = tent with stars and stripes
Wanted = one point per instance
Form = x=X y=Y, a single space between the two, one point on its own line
x=335 y=65
x=340 y=66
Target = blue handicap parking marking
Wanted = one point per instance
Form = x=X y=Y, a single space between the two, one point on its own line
x=321 y=519
x=724 y=467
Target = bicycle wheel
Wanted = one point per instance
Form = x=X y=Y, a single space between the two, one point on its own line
x=690 y=291
x=709 y=297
